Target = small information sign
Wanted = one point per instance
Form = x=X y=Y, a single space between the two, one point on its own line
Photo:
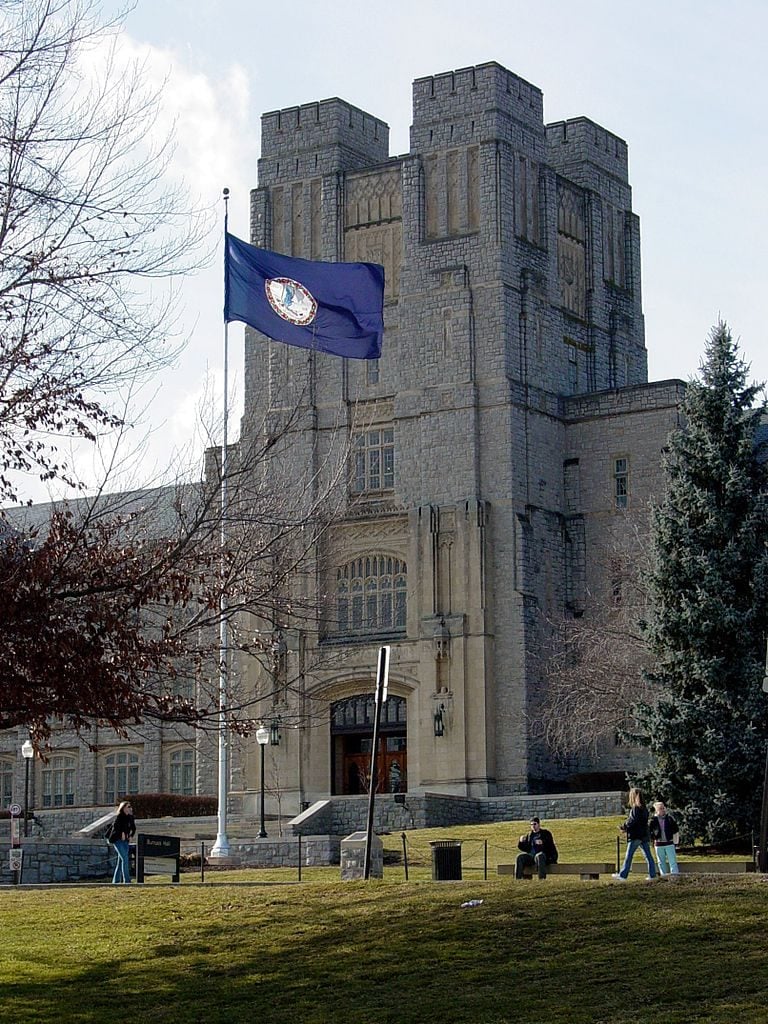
x=157 y=855
x=16 y=860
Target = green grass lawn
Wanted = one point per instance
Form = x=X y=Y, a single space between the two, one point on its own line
x=563 y=950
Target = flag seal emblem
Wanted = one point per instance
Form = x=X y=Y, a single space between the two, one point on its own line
x=291 y=300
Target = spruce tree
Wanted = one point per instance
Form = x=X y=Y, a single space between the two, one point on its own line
x=708 y=726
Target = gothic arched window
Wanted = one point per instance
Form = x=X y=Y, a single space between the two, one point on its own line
x=58 y=777
x=121 y=775
x=371 y=595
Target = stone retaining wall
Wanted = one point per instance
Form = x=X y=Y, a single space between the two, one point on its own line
x=343 y=815
x=70 y=860
x=65 y=860
x=316 y=851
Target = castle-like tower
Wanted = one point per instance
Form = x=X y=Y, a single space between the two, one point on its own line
x=498 y=446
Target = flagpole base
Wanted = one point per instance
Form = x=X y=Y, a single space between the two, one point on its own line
x=221 y=847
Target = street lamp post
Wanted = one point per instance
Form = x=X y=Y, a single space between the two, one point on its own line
x=28 y=752
x=262 y=738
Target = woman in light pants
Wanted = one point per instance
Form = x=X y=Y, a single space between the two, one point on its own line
x=664 y=832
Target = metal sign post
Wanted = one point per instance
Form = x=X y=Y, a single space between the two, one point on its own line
x=382 y=681
x=15 y=854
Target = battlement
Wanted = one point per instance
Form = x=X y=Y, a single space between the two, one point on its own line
x=320 y=138
x=474 y=91
x=579 y=141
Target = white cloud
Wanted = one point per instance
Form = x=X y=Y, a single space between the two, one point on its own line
x=214 y=145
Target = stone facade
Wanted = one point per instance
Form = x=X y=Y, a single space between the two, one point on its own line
x=506 y=441
x=94 y=771
x=510 y=403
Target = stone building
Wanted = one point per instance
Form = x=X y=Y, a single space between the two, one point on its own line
x=499 y=450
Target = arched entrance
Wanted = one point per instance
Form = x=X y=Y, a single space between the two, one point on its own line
x=352 y=739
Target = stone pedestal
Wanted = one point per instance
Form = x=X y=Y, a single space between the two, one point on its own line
x=353 y=857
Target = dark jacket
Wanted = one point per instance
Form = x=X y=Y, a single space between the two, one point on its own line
x=636 y=825
x=670 y=828
x=123 y=827
x=548 y=845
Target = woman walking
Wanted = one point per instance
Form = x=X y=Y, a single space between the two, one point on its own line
x=636 y=827
x=120 y=835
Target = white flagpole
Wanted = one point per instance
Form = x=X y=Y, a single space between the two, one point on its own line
x=221 y=846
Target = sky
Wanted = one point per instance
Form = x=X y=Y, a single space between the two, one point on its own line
x=682 y=81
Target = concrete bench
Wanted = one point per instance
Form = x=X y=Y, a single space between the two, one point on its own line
x=586 y=872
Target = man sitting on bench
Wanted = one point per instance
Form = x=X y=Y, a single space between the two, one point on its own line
x=538 y=848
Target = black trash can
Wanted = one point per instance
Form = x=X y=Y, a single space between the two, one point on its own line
x=446 y=860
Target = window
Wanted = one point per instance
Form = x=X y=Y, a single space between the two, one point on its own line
x=371 y=595
x=621 y=482
x=121 y=775
x=573 y=371
x=371 y=372
x=6 y=782
x=374 y=460
x=183 y=771
x=358 y=712
x=59 y=781
x=183 y=687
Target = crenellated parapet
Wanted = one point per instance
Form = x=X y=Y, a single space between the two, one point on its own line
x=320 y=138
x=485 y=101
x=578 y=147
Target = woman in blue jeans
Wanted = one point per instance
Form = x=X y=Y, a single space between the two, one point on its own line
x=123 y=829
x=636 y=827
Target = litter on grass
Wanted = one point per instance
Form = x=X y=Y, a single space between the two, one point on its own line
x=471 y=903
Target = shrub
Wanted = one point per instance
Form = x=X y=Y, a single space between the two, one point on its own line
x=172 y=805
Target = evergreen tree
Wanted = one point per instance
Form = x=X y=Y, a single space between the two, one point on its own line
x=708 y=726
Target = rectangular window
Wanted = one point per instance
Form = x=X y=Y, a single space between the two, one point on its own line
x=6 y=784
x=573 y=371
x=183 y=772
x=373 y=460
x=183 y=687
x=621 y=482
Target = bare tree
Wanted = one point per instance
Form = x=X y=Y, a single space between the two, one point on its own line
x=111 y=606
x=593 y=665
x=87 y=222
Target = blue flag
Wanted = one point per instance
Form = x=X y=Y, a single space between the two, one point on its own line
x=330 y=307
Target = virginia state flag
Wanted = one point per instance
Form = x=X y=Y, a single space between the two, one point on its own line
x=330 y=307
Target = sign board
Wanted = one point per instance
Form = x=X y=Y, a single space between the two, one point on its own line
x=159 y=866
x=382 y=674
x=157 y=855
x=14 y=810
x=15 y=859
